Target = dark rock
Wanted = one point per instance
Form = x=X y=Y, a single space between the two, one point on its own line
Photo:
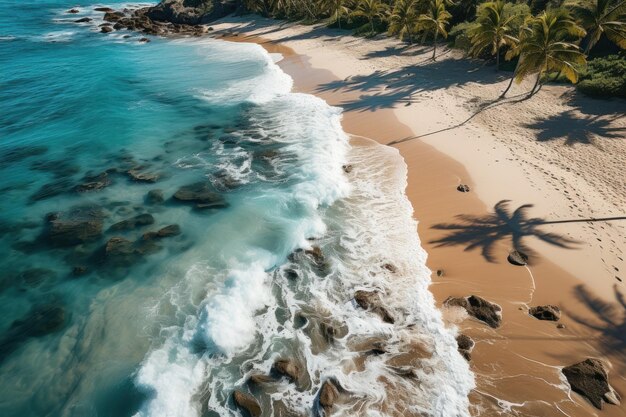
x=247 y=403
x=328 y=395
x=34 y=277
x=463 y=188
x=155 y=197
x=465 y=345
x=440 y=272
x=139 y=176
x=94 y=183
x=291 y=274
x=547 y=312
x=347 y=168
x=83 y=20
x=560 y=326
x=79 y=270
x=113 y=16
x=73 y=11
x=517 y=258
x=316 y=253
x=144 y=40
x=79 y=225
x=590 y=379
x=370 y=300
x=169 y=231
x=134 y=222
x=104 y=9
x=21 y=152
x=52 y=189
x=478 y=308
x=391 y=268
x=201 y=195
x=260 y=379
x=106 y=29
x=287 y=368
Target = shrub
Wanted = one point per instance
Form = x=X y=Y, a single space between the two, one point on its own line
x=605 y=77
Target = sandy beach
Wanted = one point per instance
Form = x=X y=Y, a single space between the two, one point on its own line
x=543 y=174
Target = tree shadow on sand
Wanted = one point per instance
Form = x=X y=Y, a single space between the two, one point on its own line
x=483 y=232
x=578 y=128
x=610 y=318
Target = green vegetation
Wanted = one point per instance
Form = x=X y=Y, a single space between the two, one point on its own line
x=544 y=39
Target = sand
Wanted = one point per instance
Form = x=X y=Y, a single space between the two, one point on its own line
x=546 y=166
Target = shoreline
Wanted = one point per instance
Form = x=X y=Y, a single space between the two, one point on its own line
x=512 y=364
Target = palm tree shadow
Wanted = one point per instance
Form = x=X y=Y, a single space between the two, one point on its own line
x=484 y=232
x=610 y=318
x=578 y=128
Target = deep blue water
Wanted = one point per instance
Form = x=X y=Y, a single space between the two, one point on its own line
x=168 y=326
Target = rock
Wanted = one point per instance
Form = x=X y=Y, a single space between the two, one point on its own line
x=83 y=20
x=287 y=368
x=547 y=312
x=391 y=268
x=291 y=274
x=328 y=395
x=79 y=225
x=440 y=272
x=34 y=277
x=463 y=188
x=79 y=270
x=139 y=176
x=50 y=190
x=113 y=16
x=21 y=152
x=106 y=29
x=560 y=326
x=590 y=379
x=104 y=9
x=260 y=379
x=144 y=40
x=465 y=346
x=94 y=183
x=478 y=308
x=191 y=12
x=316 y=253
x=118 y=246
x=201 y=195
x=169 y=231
x=155 y=197
x=517 y=258
x=370 y=300
x=247 y=403
x=73 y=11
x=134 y=222
x=347 y=168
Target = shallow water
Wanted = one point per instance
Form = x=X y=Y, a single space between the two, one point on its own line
x=170 y=326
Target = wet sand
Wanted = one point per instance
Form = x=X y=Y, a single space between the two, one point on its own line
x=517 y=366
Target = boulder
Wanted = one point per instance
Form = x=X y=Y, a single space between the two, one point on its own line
x=463 y=188
x=73 y=11
x=465 y=346
x=78 y=225
x=517 y=258
x=370 y=300
x=134 y=222
x=167 y=231
x=106 y=29
x=135 y=174
x=191 y=12
x=287 y=368
x=145 y=40
x=328 y=395
x=201 y=195
x=93 y=183
x=83 y=20
x=113 y=16
x=247 y=403
x=155 y=197
x=104 y=9
x=478 y=308
x=547 y=312
x=590 y=379
x=260 y=379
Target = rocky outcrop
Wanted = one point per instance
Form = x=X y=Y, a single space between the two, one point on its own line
x=590 y=379
x=201 y=195
x=328 y=395
x=287 y=368
x=79 y=225
x=134 y=222
x=547 y=312
x=247 y=403
x=94 y=182
x=370 y=300
x=479 y=308
x=190 y=12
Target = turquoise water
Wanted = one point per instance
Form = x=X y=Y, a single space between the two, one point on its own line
x=169 y=326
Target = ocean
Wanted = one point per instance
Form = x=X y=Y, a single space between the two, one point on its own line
x=174 y=220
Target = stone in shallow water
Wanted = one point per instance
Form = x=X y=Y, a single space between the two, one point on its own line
x=547 y=312
x=590 y=379
x=465 y=345
x=139 y=176
x=247 y=403
x=78 y=225
x=167 y=231
x=370 y=300
x=478 y=308
x=201 y=195
x=140 y=220
x=328 y=395
x=93 y=182
x=287 y=368
x=463 y=188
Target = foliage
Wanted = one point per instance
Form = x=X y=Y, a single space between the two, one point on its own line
x=601 y=17
x=605 y=77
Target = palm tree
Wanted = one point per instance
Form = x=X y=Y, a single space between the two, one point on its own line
x=404 y=19
x=434 y=21
x=599 y=17
x=547 y=47
x=494 y=31
x=337 y=9
x=371 y=9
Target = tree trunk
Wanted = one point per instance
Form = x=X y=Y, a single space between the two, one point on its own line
x=535 y=89
x=508 y=87
x=498 y=60
x=372 y=25
x=435 y=45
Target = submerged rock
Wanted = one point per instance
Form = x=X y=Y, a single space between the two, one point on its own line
x=287 y=368
x=517 y=258
x=370 y=300
x=52 y=189
x=155 y=197
x=478 y=308
x=167 y=231
x=78 y=225
x=140 y=220
x=135 y=174
x=94 y=183
x=547 y=312
x=328 y=395
x=106 y=29
x=247 y=403
x=200 y=194
x=21 y=152
x=34 y=277
x=590 y=379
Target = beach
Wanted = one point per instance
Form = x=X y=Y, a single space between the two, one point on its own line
x=542 y=174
